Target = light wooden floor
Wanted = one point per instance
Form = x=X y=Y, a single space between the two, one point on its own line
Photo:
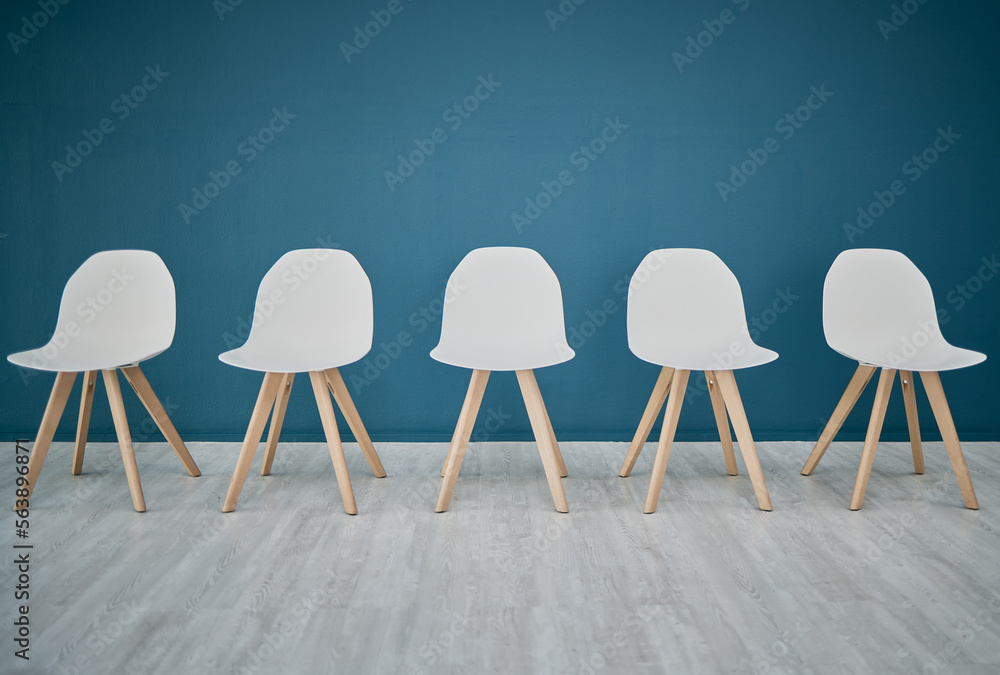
x=502 y=583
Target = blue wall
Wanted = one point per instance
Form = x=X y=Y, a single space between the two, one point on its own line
x=688 y=115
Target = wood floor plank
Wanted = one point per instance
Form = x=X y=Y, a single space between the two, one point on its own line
x=288 y=584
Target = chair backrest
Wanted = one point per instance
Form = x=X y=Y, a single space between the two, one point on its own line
x=316 y=301
x=503 y=311
x=119 y=307
x=686 y=299
x=874 y=298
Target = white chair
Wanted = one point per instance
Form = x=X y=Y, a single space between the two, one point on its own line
x=878 y=309
x=117 y=310
x=685 y=312
x=503 y=311
x=313 y=314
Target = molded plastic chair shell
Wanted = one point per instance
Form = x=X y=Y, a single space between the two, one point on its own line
x=503 y=311
x=685 y=311
x=878 y=309
x=117 y=309
x=313 y=312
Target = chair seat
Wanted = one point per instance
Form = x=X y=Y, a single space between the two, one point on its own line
x=291 y=358
x=878 y=309
x=505 y=357
x=704 y=358
x=78 y=358
x=929 y=358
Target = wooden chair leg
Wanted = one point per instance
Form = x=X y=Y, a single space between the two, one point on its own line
x=560 y=464
x=452 y=444
x=460 y=440
x=320 y=391
x=124 y=437
x=862 y=376
x=678 y=385
x=277 y=419
x=722 y=422
x=447 y=457
x=346 y=404
x=942 y=414
x=83 y=422
x=50 y=420
x=536 y=415
x=882 y=394
x=734 y=405
x=653 y=407
x=912 y=421
x=265 y=400
x=145 y=392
